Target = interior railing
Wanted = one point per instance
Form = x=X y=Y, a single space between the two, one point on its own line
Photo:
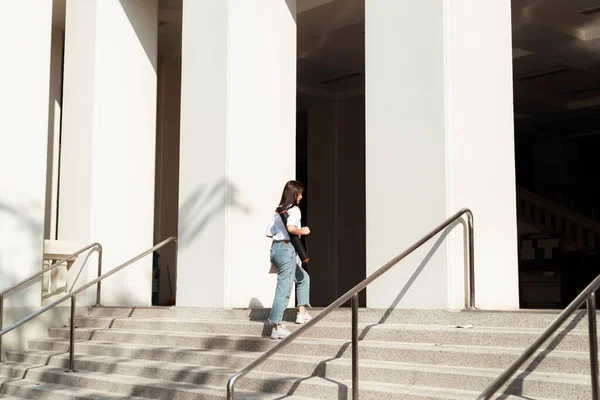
x=581 y=199
x=42 y=272
x=587 y=296
x=73 y=296
x=353 y=295
x=574 y=228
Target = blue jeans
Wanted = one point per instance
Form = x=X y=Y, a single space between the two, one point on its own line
x=283 y=256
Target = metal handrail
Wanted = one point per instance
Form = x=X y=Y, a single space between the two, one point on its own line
x=353 y=294
x=42 y=272
x=73 y=296
x=588 y=295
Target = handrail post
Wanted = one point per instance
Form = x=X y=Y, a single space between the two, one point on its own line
x=470 y=273
x=72 y=336
x=591 y=311
x=1 y=319
x=231 y=387
x=72 y=295
x=355 y=347
x=99 y=290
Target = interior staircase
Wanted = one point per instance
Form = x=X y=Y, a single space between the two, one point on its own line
x=190 y=353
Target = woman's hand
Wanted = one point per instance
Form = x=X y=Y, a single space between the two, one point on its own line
x=305 y=230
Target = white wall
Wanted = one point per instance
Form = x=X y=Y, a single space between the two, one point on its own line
x=406 y=155
x=480 y=141
x=439 y=138
x=261 y=137
x=25 y=39
x=109 y=128
x=237 y=146
x=200 y=278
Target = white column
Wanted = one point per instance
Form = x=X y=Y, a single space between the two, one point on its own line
x=237 y=146
x=439 y=138
x=480 y=144
x=406 y=162
x=25 y=39
x=54 y=122
x=108 y=142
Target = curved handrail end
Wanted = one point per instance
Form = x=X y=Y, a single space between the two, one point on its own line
x=231 y=386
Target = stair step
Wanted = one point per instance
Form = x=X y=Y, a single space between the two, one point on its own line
x=127 y=388
x=27 y=389
x=144 y=387
x=538 y=319
x=440 y=335
x=475 y=356
x=184 y=354
x=10 y=369
x=284 y=380
x=323 y=329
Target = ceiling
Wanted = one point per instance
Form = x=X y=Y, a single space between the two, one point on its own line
x=556 y=62
x=331 y=49
x=556 y=58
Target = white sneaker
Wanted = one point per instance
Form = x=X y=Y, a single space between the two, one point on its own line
x=303 y=318
x=280 y=333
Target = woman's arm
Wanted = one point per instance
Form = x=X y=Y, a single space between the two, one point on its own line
x=294 y=230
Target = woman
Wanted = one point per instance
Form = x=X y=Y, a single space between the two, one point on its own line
x=283 y=256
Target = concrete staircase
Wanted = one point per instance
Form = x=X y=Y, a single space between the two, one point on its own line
x=181 y=354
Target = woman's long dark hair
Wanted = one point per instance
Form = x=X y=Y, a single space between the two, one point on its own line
x=291 y=191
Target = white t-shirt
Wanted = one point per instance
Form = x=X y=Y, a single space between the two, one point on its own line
x=276 y=228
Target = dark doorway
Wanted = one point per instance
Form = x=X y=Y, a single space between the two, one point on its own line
x=557 y=141
x=330 y=153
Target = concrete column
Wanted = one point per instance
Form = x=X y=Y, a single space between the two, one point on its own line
x=237 y=146
x=439 y=138
x=480 y=144
x=108 y=139
x=54 y=122
x=25 y=39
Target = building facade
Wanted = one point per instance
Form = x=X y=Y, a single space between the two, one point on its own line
x=115 y=132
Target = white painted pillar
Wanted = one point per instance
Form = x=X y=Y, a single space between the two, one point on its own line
x=108 y=139
x=439 y=138
x=480 y=147
x=54 y=122
x=25 y=39
x=237 y=146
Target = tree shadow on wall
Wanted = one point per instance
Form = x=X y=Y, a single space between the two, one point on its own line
x=202 y=206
